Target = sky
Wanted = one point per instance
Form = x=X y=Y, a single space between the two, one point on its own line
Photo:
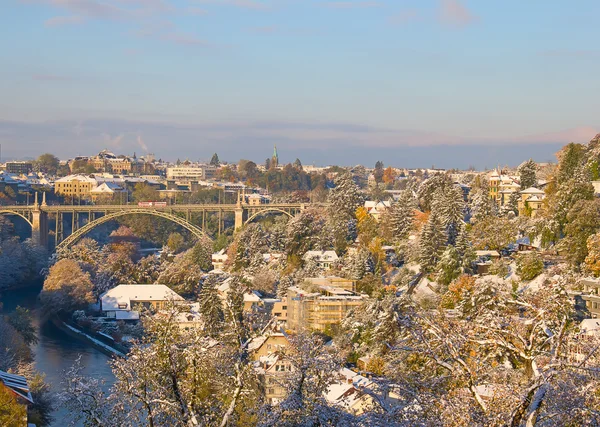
x=414 y=83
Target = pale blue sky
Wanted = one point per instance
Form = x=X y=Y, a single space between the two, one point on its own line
x=342 y=78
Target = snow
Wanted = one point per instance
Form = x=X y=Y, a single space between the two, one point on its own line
x=95 y=341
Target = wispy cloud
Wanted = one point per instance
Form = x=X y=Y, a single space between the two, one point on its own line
x=454 y=13
x=267 y=29
x=59 y=21
x=245 y=4
x=183 y=38
x=352 y=4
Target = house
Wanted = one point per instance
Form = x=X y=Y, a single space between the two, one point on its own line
x=75 y=185
x=531 y=201
x=493 y=255
x=119 y=302
x=324 y=259
x=107 y=190
x=274 y=371
x=266 y=345
x=376 y=208
x=219 y=259
x=591 y=296
x=354 y=392
x=525 y=244
x=501 y=186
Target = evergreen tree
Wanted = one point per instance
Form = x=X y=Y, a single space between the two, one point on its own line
x=432 y=242
x=465 y=250
x=345 y=198
x=402 y=216
x=482 y=206
x=428 y=188
x=449 y=267
x=215 y=160
x=528 y=174
x=378 y=172
x=211 y=308
x=450 y=207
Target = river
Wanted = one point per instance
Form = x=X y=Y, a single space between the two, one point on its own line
x=56 y=351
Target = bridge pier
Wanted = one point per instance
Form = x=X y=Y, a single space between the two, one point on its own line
x=239 y=218
x=39 y=228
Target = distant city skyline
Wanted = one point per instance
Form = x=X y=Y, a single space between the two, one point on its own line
x=414 y=82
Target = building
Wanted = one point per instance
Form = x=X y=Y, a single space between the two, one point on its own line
x=188 y=173
x=75 y=185
x=19 y=168
x=17 y=385
x=107 y=191
x=334 y=282
x=275 y=158
x=319 y=310
x=119 y=302
x=591 y=296
x=501 y=185
x=531 y=201
x=324 y=259
x=219 y=259
x=376 y=208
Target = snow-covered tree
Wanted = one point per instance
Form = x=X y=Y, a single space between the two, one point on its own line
x=344 y=198
x=66 y=288
x=211 y=307
x=401 y=216
x=482 y=206
x=527 y=174
x=428 y=188
x=449 y=266
x=449 y=205
x=432 y=242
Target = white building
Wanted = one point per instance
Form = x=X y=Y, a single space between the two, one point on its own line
x=191 y=172
x=120 y=301
x=324 y=259
x=219 y=259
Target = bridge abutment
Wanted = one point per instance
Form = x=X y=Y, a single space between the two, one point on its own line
x=239 y=218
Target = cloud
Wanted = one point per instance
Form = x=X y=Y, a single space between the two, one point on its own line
x=267 y=29
x=141 y=143
x=320 y=142
x=183 y=38
x=352 y=4
x=244 y=4
x=454 y=13
x=196 y=11
x=59 y=21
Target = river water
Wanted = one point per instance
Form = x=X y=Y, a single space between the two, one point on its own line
x=56 y=351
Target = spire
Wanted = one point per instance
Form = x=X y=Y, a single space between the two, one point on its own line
x=275 y=158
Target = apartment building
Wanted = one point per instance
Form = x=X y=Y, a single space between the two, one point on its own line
x=191 y=172
x=320 y=309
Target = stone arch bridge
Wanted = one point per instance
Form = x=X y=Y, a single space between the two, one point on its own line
x=85 y=218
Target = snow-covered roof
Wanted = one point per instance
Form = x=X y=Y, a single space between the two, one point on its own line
x=321 y=256
x=122 y=297
x=590 y=326
x=532 y=190
x=487 y=253
x=77 y=177
x=17 y=384
x=107 y=188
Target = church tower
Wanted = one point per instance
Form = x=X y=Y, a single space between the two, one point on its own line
x=275 y=158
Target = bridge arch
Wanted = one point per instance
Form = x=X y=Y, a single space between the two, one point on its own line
x=9 y=212
x=79 y=233
x=267 y=210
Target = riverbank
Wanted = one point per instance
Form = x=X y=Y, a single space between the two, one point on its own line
x=75 y=332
